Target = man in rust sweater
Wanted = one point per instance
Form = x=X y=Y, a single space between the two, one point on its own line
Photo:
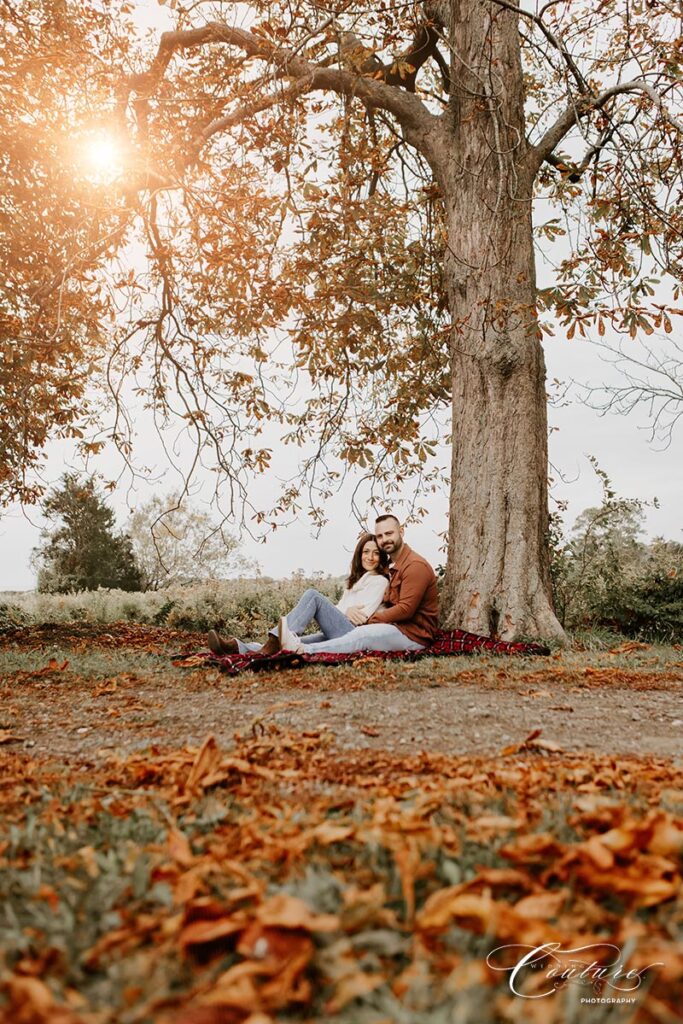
x=412 y=596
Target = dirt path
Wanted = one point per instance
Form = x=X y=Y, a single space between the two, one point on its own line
x=74 y=691
x=68 y=719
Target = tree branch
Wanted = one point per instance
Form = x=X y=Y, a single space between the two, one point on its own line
x=655 y=381
x=584 y=105
x=575 y=171
x=402 y=72
x=220 y=124
x=415 y=118
x=552 y=39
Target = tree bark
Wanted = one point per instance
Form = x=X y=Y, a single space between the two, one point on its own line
x=497 y=579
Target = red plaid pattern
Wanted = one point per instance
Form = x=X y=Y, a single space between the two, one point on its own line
x=445 y=644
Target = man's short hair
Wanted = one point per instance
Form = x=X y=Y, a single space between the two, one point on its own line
x=388 y=515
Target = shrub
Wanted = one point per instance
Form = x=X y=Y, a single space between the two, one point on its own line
x=12 y=616
x=606 y=576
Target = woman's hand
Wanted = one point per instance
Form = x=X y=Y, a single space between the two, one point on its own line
x=356 y=615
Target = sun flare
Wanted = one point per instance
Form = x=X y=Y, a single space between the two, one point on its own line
x=103 y=158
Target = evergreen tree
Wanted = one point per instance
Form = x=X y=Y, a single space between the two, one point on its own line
x=81 y=550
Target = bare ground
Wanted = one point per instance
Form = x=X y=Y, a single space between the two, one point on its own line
x=89 y=692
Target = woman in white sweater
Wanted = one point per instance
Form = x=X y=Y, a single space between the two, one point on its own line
x=365 y=585
x=365 y=588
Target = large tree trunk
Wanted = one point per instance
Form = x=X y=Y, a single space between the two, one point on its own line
x=497 y=578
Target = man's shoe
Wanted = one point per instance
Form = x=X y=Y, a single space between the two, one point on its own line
x=270 y=647
x=289 y=641
x=218 y=646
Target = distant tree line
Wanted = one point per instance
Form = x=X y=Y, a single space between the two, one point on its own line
x=167 y=543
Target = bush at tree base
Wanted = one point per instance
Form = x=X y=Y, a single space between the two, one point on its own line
x=606 y=576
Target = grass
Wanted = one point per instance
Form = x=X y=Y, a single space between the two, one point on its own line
x=94 y=662
x=88 y=665
x=240 y=606
x=88 y=661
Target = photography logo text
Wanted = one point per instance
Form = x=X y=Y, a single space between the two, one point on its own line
x=600 y=968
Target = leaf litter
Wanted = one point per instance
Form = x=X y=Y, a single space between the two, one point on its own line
x=284 y=879
x=270 y=875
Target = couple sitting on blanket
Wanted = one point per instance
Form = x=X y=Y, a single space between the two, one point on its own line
x=390 y=604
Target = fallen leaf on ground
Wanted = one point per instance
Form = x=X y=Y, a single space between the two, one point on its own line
x=630 y=645
x=207 y=760
x=6 y=736
x=50 y=669
x=285 y=911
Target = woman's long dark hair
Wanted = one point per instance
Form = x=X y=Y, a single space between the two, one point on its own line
x=357 y=570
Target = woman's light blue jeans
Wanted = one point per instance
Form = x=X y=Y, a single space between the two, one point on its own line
x=376 y=636
x=338 y=634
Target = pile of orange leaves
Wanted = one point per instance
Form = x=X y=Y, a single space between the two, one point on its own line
x=286 y=880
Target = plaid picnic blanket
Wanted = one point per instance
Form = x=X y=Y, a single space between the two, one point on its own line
x=445 y=644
